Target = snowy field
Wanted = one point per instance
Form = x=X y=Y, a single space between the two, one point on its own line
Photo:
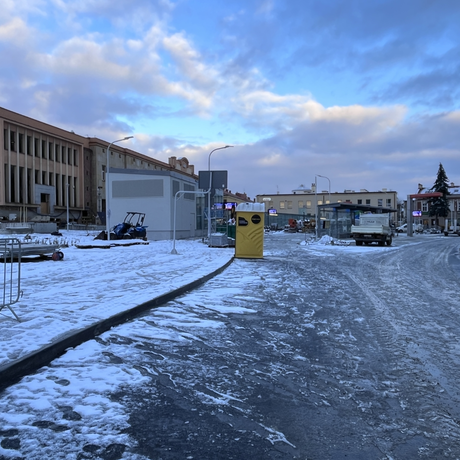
x=315 y=351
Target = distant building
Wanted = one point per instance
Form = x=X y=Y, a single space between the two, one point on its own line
x=303 y=201
x=236 y=197
x=421 y=209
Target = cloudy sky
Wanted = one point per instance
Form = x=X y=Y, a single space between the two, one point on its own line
x=363 y=92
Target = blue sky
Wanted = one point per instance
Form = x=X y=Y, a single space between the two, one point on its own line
x=363 y=92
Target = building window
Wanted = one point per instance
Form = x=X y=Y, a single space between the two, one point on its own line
x=63 y=155
x=13 y=141
x=69 y=155
x=5 y=139
x=21 y=143
x=282 y=205
x=425 y=207
x=380 y=202
x=289 y=204
x=360 y=201
x=320 y=202
x=368 y=201
x=308 y=204
x=388 y=202
x=300 y=204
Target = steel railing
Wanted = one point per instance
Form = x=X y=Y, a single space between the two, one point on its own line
x=10 y=262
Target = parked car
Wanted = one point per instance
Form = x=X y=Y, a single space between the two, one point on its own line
x=416 y=228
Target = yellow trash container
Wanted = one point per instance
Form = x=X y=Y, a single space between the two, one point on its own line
x=249 y=241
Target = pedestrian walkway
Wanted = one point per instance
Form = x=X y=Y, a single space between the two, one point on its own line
x=69 y=301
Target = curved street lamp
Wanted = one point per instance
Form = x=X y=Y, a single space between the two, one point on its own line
x=209 y=190
x=324 y=177
x=107 y=187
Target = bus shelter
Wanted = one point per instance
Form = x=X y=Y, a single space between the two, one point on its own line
x=336 y=219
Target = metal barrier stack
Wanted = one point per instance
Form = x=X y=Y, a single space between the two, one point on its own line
x=10 y=261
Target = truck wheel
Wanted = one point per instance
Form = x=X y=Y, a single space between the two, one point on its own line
x=389 y=241
x=381 y=243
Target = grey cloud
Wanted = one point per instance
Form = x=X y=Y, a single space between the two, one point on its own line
x=385 y=42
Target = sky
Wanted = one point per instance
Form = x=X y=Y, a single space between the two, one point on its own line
x=75 y=390
x=364 y=93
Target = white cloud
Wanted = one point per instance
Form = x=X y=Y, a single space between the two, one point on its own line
x=15 y=32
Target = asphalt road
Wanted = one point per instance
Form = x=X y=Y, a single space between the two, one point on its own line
x=353 y=356
x=310 y=353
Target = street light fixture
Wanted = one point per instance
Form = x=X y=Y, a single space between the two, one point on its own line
x=209 y=190
x=107 y=186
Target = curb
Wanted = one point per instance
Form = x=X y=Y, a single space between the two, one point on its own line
x=12 y=373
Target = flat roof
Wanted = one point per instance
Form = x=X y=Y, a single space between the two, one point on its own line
x=357 y=207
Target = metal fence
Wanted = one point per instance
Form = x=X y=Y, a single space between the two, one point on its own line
x=10 y=261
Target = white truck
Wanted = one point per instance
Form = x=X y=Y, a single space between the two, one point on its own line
x=372 y=228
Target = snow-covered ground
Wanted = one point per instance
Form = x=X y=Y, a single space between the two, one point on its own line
x=290 y=330
x=89 y=285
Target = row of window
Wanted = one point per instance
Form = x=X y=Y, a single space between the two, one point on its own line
x=308 y=204
x=47 y=150
x=19 y=185
x=379 y=202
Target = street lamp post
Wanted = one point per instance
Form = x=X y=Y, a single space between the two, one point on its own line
x=107 y=186
x=324 y=177
x=209 y=190
x=316 y=206
x=316 y=199
x=68 y=186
